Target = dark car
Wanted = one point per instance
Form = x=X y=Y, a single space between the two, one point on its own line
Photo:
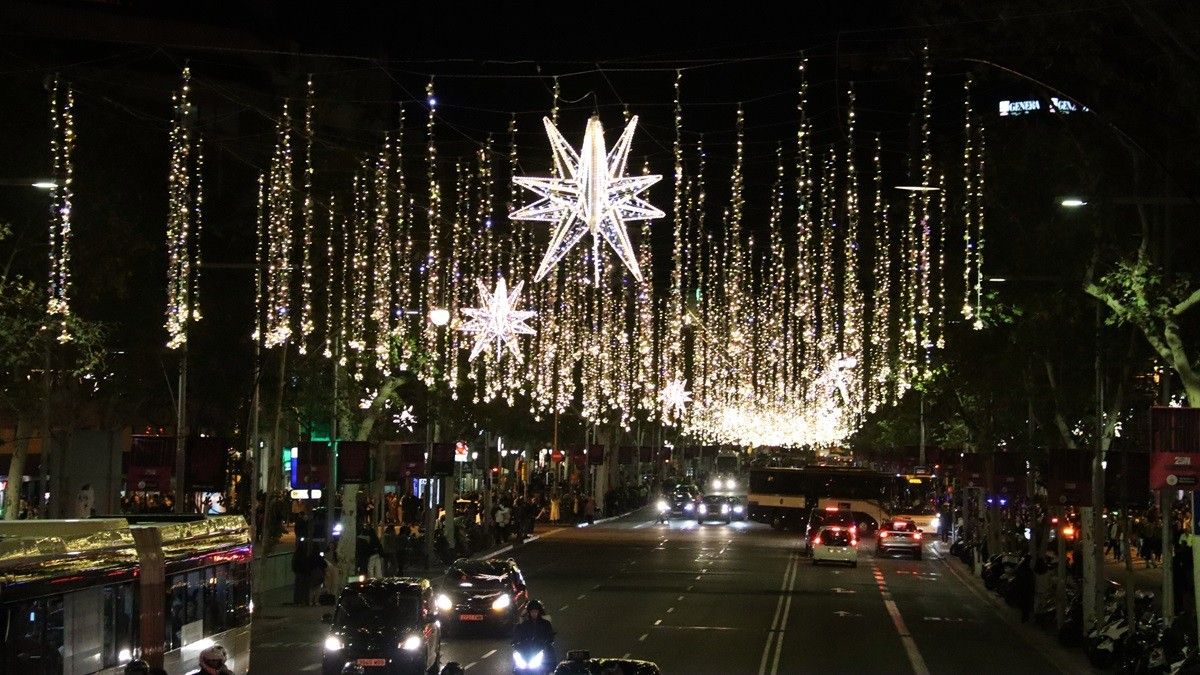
x=384 y=626
x=582 y=663
x=899 y=536
x=826 y=517
x=714 y=507
x=318 y=527
x=488 y=592
x=683 y=501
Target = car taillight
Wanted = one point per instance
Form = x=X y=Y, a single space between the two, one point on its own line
x=883 y=534
x=817 y=540
x=916 y=535
x=854 y=542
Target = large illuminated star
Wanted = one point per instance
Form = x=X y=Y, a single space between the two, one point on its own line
x=675 y=397
x=496 y=321
x=590 y=195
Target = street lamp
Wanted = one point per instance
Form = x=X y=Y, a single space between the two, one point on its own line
x=1072 y=202
x=439 y=316
x=45 y=184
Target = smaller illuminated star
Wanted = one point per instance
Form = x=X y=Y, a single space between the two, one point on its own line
x=496 y=321
x=405 y=419
x=675 y=397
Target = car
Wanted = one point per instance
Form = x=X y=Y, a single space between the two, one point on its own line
x=682 y=501
x=834 y=543
x=830 y=515
x=714 y=507
x=580 y=662
x=387 y=625
x=899 y=536
x=490 y=593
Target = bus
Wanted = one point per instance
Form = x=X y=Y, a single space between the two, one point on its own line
x=784 y=496
x=88 y=596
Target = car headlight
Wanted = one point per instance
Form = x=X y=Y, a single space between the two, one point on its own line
x=443 y=603
x=663 y=505
x=534 y=662
x=703 y=508
x=337 y=529
x=716 y=484
x=739 y=508
x=411 y=643
x=689 y=507
x=502 y=601
x=724 y=508
x=730 y=484
x=334 y=644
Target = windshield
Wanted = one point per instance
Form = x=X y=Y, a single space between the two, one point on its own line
x=375 y=606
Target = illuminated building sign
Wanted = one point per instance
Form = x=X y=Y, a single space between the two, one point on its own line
x=1057 y=105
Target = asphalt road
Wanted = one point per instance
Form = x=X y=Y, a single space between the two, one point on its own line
x=726 y=599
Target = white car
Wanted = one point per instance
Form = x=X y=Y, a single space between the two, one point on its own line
x=835 y=544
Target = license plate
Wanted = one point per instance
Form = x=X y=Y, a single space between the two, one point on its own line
x=372 y=663
x=470 y=617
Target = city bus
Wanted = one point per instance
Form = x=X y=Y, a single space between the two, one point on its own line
x=783 y=497
x=88 y=596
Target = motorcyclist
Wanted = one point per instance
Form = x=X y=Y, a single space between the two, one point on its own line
x=212 y=661
x=536 y=629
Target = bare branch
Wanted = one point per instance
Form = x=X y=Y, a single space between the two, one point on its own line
x=1187 y=303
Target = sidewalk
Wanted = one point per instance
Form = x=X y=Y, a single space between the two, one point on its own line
x=1066 y=659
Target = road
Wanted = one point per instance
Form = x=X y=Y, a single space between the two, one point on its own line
x=727 y=599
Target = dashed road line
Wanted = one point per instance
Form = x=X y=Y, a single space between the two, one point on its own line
x=470 y=665
x=910 y=645
x=670 y=609
x=488 y=654
x=657 y=623
x=581 y=596
x=643 y=638
x=627 y=655
x=679 y=598
x=563 y=607
x=775 y=633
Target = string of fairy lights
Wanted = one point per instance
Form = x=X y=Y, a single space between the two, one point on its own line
x=786 y=332
x=62 y=148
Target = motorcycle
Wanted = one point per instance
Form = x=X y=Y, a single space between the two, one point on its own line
x=532 y=657
x=663 y=510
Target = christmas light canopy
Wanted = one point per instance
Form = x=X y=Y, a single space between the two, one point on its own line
x=589 y=195
x=497 y=321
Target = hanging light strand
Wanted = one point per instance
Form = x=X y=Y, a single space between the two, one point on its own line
x=62 y=148
x=306 y=323
x=279 y=225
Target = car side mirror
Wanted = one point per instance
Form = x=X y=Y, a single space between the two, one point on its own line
x=327 y=618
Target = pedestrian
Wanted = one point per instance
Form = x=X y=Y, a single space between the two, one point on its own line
x=333 y=576
x=316 y=573
x=391 y=550
x=374 y=555
x=589 y=510
x=502 y=518
x=301 y=573
x=555 y=508
x=212 y=661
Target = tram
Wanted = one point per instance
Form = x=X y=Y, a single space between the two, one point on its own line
x=87 y=596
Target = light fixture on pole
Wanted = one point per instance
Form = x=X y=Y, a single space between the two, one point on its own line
x=439 y=316
x=1072 y=202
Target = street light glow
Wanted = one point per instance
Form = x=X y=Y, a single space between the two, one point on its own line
x=1073 y=202
x=439 y=316
x=45 y=185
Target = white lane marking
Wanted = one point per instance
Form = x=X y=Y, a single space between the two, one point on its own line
x=697 y=578
x=659 y=622
x=488 y=654
x=787 y=609
x=596 y=587
x=910 y=645
x=679 y=598
x=627 y=655
x=643 y=638
x=670 y=609
x=783 y=586
x=469 y=665
x=310 y=667
x=563 y=607
x=691 y=587
x=581 y=596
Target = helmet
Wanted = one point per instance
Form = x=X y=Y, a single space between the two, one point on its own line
x=214 y=657
x=137 y=667
x=453 y=668
x=353 y=669
x=535 y=605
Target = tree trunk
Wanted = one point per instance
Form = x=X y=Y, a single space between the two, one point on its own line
x=16 y=469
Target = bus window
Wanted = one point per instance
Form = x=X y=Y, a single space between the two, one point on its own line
x=33 y=636
x=176 y=610
x=120 y=624
x=195 y=596
x=238 y=608
x=216 y=599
